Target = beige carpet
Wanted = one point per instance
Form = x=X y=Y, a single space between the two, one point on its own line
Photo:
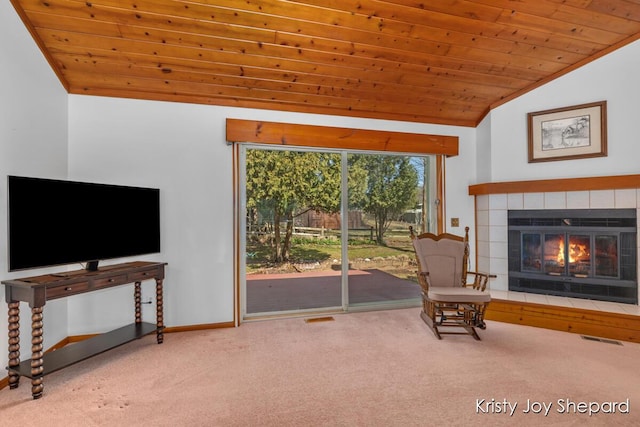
x=380 y=368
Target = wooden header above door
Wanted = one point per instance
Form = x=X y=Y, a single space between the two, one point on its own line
x=339 y=138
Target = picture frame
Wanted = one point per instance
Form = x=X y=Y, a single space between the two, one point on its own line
x=575 y=132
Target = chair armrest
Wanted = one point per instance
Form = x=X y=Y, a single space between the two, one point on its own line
x=480 y=280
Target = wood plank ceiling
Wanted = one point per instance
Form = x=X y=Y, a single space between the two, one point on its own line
x=431 y=61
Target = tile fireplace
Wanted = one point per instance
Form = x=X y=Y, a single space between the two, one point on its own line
x=579 y=253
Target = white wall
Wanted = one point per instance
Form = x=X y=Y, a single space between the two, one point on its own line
x=33 y=141
x=613 y=78
x=181 y=149
x=483 y=150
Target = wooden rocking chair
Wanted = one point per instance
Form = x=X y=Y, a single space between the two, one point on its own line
x=448 y=301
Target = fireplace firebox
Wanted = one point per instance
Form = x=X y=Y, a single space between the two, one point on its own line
x=588 y=253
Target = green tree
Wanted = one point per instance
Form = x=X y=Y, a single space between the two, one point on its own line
x=390 y=188
x=286 y=181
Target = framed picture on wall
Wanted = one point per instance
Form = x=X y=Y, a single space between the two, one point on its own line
x=575 y=132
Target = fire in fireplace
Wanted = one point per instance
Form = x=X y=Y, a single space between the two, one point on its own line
x=578 y=253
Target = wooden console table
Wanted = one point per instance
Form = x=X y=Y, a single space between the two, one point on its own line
x=36 y=291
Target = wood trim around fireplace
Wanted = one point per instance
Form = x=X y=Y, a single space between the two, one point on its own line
x=617 y=326
x=551 y=185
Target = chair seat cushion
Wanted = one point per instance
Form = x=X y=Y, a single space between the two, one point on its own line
x=457 y=294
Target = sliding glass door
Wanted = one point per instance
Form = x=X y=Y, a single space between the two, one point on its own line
x=305 y=211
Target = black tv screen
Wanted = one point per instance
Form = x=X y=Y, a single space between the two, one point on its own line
x=56 y=222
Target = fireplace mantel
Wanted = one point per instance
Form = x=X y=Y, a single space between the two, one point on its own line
x=551 y=185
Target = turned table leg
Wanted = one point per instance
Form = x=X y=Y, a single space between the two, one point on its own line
x=137 y=295
x=36 y=353
x=159 y=315
x=14 y=343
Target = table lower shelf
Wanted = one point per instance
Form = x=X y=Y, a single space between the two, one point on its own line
x=73 y=353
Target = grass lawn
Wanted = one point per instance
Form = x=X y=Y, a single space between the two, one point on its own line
x=327 y=250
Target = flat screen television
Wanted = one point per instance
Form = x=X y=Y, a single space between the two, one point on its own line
x=55 y=222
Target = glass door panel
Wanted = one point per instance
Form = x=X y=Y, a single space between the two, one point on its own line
x=531 y=252
x=606 y=256
x=579 y=255
x=293 y=222
x=554 y=254
x=386 y=194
